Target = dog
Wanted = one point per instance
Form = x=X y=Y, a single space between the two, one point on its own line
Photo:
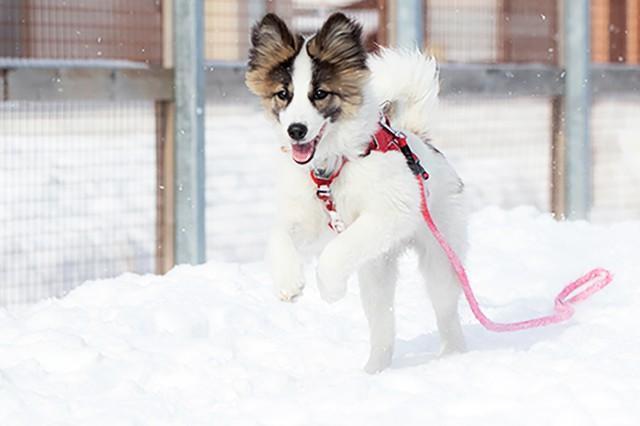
x=324 y=95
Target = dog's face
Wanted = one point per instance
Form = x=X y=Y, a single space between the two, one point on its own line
x=307 y=85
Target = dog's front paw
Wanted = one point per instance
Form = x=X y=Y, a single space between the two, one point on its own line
x=331 y=287
x=288 y=284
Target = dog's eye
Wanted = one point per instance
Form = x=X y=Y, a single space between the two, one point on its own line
x=320 y=94
x=283 y=94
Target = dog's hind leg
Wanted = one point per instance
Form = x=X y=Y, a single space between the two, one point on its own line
x=377 y=280
x=444 y=292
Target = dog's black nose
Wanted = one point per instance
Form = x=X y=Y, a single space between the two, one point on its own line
x=297 y=131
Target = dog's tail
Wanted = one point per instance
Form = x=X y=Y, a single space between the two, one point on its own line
x=408 y=81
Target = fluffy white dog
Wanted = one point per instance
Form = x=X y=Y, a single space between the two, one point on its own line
x=324 y=94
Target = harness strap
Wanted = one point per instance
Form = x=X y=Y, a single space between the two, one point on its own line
x=385 y=139
x=389 y=139
x=323 y=192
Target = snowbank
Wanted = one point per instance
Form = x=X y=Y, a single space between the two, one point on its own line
x=210 y=345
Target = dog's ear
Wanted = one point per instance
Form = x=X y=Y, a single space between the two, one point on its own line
x=269 y=36
x=339 y=41
x=340 y=60
x=272 y=44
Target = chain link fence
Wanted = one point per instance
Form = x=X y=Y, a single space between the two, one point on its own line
x=85 y=171
x=77 y=203
x=77 y=177
x=499 y=143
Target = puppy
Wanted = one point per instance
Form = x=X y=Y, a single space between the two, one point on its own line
x=324 y=94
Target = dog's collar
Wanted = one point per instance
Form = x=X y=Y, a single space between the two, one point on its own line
x=385 y=139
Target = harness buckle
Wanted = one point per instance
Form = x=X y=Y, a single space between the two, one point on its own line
x=323 y=192
x=400 y=140
x=336 y=222
x=385 y=125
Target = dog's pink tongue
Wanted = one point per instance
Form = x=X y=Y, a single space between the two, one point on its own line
x=302 y=153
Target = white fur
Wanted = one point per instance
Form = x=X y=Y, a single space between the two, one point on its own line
x=300 y=109
x=377 y=197
x=418 y=93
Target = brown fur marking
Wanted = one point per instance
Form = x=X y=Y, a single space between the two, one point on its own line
x=271 y=57
x=340 y=65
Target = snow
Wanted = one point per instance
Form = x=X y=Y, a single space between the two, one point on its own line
x=212 y=345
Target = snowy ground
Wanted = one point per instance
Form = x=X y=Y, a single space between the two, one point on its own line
x=210 y=345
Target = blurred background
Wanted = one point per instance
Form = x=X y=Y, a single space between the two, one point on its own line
x=88 y=136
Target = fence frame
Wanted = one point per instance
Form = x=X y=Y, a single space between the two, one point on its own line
x=409 y=24
x=188 y=83
x=25 y=83
x=165 y=110
x=577 y=161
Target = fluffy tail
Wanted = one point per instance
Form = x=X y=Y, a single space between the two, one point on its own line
x=408 y=80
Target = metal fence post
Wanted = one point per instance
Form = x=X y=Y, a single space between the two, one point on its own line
x=577 y=108
x=188 y=30
x=410 y=24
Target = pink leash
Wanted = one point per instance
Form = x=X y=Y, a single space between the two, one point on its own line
x=563 y=310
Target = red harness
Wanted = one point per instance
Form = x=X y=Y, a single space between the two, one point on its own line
x=385 y=139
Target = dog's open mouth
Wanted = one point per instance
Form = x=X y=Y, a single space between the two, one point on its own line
x=302 y=153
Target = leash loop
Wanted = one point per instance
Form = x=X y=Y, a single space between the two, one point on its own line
x=590 y=283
